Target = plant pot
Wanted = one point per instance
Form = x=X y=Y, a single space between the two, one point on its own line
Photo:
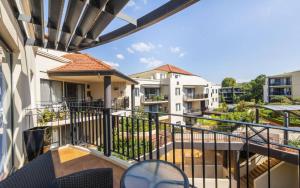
x=35 y=140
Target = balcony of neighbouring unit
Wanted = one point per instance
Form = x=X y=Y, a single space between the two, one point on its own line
x=195 y=97
x=192 y=111
x=286 y=81
x=281 y=91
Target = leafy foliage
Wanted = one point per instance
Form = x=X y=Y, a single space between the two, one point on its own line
x=228 y=82
x=281 y=100
x=254 y=89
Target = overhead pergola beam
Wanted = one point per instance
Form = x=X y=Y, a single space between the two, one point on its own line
x=127 y=18
x=149 y=19
x=89 y=17
x=112 y=8
x=37 y=14
x=85 y=20
x=55 y=12
x=74 y=10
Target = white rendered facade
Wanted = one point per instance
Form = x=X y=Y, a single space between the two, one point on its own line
x=178 y=94
x=286 y=84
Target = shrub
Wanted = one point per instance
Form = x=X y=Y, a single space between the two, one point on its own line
x=281 y=99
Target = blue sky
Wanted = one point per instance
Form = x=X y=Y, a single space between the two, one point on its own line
x=213 y=38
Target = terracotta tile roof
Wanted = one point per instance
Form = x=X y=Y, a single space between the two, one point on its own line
x=82 y=62
x=172 y=69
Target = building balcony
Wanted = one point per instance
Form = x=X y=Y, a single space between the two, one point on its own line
x=195 y=97
x=280 y=85
x=280 y=94
x=192 y=111
x=155 y=99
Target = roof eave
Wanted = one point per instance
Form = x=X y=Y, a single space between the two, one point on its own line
x=112 y=72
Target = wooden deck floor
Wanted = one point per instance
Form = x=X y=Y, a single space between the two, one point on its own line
x=68 y=160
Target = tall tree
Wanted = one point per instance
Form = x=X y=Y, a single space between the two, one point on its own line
x=228 y=82
x=254 y=89
x=258 y=87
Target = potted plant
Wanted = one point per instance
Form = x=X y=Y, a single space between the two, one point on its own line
x=36 y=139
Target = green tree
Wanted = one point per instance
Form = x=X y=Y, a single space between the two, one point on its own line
x=258 y=88
x=228 y=82
x=254 y=89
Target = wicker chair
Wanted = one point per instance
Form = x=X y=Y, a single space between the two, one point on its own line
x=40 y=173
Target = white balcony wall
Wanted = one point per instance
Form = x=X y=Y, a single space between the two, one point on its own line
x=20 y=88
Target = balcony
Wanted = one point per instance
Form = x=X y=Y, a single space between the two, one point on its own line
x=157 y=99
x=280 y=82
x=225 y=155
x=195 y=97
x=192 y=111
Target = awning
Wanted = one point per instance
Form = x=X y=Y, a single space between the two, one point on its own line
x=79 y=24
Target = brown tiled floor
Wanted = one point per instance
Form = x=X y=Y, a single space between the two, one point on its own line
x=68 y=160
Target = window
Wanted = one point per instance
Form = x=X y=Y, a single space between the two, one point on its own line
x=178 y=107
x=137 y=92
x=177 y=91
x=151 y=92
x=51 y=91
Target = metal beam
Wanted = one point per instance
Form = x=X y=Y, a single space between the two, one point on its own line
x=73 y=13
x=149 y=19
x=16 y=13
x=113 y=7
x=55 y=12
x=127 y=18
x=37 y=14
x=90 y=15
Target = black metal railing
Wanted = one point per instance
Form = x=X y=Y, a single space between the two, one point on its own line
x=156 y=98
x=209 y=157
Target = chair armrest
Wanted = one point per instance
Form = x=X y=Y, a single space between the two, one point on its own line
x=92 y=178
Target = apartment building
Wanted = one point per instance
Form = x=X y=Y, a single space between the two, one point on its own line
x=77 y=77
x=173 y=90
x=286 y=84
x=230 y=94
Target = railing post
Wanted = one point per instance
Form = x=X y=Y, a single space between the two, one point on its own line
x=71 y=126
x=257 y=115
x=237 y=173
x=286 y=124
x=150 y=134
x=107 y=131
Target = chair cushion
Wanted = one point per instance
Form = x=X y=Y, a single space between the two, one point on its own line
x=38 y=173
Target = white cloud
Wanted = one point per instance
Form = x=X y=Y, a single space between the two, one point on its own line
x=142 y=47
x=114 y=65
x=177 y=50
x=150 y=62
x=120 y=56
x=181 y=54
x=130 y=50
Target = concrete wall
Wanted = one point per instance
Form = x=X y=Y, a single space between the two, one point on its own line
x=282 y=175
x=23 y=73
